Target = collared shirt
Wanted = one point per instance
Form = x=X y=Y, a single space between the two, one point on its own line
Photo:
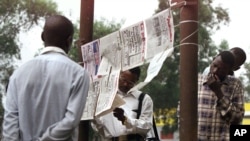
x=109 y=126
x=216 y=115
x=45 y=99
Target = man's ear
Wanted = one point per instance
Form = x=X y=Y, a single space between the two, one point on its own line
x=69 y=41
x=42 y=36
x=67 y=44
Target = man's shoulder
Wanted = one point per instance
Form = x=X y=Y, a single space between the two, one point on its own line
x=233 y=78
x=146 y=96
x=138 y=93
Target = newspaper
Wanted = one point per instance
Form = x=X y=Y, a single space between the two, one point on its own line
x=94 y=91
x=154 y=67
x=133 y=41
x=108 y=90
x=102 y=97
x=160 y=33
x=111 y=50
x=91 y=57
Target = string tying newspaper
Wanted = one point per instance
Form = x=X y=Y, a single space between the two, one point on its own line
x=148 y=41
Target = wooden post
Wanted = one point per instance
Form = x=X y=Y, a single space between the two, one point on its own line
x=86 y=35
x=188 y=70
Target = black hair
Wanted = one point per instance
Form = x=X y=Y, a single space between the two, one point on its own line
x=227 y=57
x=57 y=30
x=136 y=71
x=240 y=54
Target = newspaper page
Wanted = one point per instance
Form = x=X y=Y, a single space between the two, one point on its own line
x=91 y=57
x=133 y=41
x=156 y=63
x=154 y=67
x=90 y=106
x=160 y=33
x=108 y=90
x=117 y=102
x=110 y=48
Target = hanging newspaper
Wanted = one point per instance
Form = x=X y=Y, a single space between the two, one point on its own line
x=110 y=53
x=160 y=33
x=107 y=99
x=104 y=82
x=93 y=94
x=154 y=67
x=133 y=41
x=91 y=57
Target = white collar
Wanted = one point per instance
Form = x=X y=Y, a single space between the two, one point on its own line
x=53 y=49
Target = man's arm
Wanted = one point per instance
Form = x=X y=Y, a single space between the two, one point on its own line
x=145 y=122
x=232 y=109
x=10 y=122
x=63 y=129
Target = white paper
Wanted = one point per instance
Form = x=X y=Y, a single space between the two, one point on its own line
x=134 y=43
x=108 y=90
x=160 y=33
x=91 y=57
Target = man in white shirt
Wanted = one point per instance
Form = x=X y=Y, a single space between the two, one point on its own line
x=123 y=123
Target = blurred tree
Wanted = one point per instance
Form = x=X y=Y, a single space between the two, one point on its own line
x=17 y=16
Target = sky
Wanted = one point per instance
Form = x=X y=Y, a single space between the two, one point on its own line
x=133 y=11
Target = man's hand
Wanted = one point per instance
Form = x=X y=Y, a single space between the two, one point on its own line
x=214 y=84
x=119 y=114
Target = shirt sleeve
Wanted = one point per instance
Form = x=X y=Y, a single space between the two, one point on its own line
x=232 y=108
x=10 y=122
x=63 y=129
x=145 y=121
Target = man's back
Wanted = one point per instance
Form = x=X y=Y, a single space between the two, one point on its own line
x=40 y=93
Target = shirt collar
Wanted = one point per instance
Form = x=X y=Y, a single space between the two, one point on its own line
x=53 y=49
x=134 y=93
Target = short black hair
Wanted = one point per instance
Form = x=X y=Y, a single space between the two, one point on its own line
x=240 y=54
x=136 y=71
x=227 y=57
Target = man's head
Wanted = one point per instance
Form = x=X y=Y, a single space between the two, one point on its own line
x=240 y=57
x=222 y=64
x=58 y=31
x=128 y=79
